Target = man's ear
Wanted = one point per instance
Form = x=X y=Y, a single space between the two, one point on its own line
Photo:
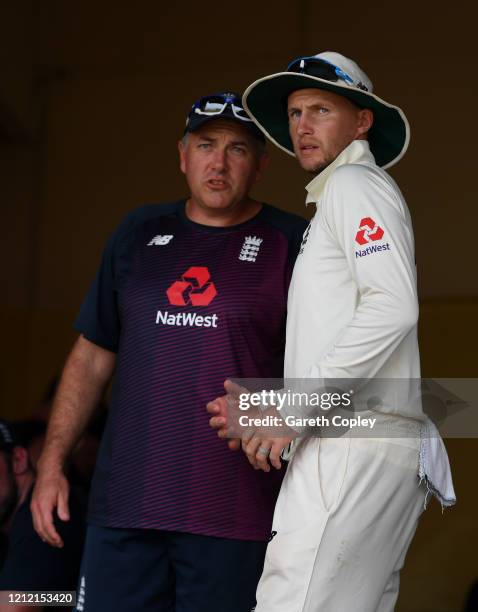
x=182 y=156
x=262 y=165
x=365 y=121
x=20 y=461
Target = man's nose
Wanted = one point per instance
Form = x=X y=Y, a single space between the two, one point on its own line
x=219 y=160
x=304 y=125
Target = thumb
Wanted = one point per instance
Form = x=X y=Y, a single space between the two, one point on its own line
x=234 y=389
x=212 y=407
x=62 y=509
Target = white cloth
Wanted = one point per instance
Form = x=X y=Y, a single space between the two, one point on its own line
x=353 y=310
x=348 y=507
x=347 y=511
x=434 y=467
x=353 y=314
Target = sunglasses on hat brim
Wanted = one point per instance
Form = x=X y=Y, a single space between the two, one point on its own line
x=322 y=69
x=215 y=105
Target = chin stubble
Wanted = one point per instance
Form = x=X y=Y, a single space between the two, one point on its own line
x=318 y=169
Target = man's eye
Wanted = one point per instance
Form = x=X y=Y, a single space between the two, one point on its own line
x=240 y=150
x=323 y=110
x=204 y=145
x=294 y=114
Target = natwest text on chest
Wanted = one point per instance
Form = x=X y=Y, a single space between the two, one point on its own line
x=186 y=319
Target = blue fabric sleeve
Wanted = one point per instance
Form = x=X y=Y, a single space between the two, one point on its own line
x=99 y=319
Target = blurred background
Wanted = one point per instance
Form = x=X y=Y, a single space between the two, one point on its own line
x=93 y=98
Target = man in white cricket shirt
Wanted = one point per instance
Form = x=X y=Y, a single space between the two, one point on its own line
x=349 y=506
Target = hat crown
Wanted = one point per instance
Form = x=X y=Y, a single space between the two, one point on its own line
x=351 y=68
x=223 y=105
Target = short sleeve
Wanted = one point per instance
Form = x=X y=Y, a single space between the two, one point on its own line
x=99 y=318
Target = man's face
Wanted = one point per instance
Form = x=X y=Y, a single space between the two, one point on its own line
x=322 y=124
x=221 y=161
x=8 y=489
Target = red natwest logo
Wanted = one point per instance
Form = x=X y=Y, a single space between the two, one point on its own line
x=193 y=288
x=369 y=231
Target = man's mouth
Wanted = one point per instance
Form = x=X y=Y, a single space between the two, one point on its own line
x=308 y=147
x=217 y=184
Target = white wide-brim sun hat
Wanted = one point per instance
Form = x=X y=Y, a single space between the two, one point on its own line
x=266 y=102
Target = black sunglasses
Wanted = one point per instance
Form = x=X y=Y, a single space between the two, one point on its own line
x=322 y=69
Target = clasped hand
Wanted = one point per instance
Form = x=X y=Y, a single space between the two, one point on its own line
x=262 y=450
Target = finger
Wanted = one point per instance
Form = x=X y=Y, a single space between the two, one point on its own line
x=218 y=422
x=226 y=434
x=35 y=516
x=213 y=407
x=234 y=389
x=217 y=406
x=262 y=455
x=250 y=448
x=246 y=436
x=63 y=510
x=223 y=430
x=47 y=530
x=274 y=456
x=52 y=536
x=38 y=519
x=234 y=444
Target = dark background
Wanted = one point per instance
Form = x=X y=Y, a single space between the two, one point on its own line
x=93 y=98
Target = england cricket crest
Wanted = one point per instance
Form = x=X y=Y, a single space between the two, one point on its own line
x=250 y=248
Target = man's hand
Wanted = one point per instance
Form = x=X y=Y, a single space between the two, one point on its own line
x=218 y=408
x=259 y=444
x=51 y=492
x=260 y=450
x=226 y=413
x=86 y=373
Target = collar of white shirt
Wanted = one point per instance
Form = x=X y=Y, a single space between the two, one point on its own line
x=357 y=152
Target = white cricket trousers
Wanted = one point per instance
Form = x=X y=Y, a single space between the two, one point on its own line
x=346 y=514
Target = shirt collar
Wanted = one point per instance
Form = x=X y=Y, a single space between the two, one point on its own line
x=357 y=152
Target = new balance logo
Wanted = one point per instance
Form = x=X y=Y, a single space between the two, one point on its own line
x=160 y=240
x=250 y=248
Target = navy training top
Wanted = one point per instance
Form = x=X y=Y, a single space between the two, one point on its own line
x=186 y=306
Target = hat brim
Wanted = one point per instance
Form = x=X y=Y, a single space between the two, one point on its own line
x=266 y=102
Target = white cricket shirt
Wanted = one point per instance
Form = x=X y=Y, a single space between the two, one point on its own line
x=353 y=306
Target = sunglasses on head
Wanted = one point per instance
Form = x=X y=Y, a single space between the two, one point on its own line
x=322 y=69
x=217 y=104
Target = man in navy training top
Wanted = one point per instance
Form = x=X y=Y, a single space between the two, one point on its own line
x=187 y=294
